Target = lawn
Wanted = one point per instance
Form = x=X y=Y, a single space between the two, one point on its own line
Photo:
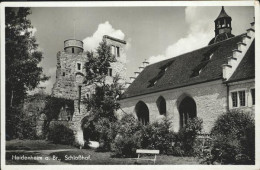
x=47 y=149
x=34 y=145
x=104 y=158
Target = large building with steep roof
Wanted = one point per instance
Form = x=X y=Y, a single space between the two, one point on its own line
x=204 y=83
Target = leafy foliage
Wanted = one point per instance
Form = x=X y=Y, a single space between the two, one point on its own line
x=24 y=124
x=158 y=136
x=52 y=109
x=187 y=135
x=22 y=70
x=103 y=103
x=22 y=57
x=60 y=134
x=128 y=138
x=234 y=139
x=98 y=63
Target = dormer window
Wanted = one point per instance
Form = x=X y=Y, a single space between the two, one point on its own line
x=160 y=74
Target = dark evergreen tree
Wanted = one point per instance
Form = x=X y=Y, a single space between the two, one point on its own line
x=22 y=59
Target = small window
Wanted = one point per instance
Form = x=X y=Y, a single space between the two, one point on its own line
x=72 y=50
x=117 y=51
x=112 y=50
x=79 y=66
x=109 y=71
x=234 y=99
x=242 y=99
x=253 y=96
x=63 y=73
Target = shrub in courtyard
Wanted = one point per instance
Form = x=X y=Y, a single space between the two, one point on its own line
x=106 y=131
x=158 y=135
x=128 y=137
x=188 y=134
x=234 y=139
x=60 y=134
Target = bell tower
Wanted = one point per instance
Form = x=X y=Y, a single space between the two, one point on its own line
x=223 y=23
x=222 y=27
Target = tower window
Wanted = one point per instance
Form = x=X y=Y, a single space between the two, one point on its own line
x=117 y=51
x=72 y=50
x=253 y=96
x=63 y=73
x=112 y=50
x=79 y=66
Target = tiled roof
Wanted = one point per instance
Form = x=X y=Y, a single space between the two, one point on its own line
x=246 y=68
x=191 y=68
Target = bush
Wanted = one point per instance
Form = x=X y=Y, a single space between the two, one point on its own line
x=106 y=131
x=188 y=134
x=158 y=136
x=128 y=137
x=234 y=139
x=60 y=134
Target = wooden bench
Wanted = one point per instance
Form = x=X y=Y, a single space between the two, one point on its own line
x=147 y=151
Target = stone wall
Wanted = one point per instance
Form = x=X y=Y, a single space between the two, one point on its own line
x=210 y=99
x=119 y=67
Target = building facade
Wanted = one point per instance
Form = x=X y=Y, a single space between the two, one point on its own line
x=203 y=83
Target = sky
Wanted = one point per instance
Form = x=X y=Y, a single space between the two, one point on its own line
x=151 y=33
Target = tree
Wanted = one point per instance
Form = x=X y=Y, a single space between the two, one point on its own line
x=103 y=103
x=22 y=59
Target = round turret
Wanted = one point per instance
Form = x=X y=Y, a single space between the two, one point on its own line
x=73 y=46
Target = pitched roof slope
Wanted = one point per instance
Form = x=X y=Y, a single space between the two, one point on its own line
x=246 y=68
x=191 y=68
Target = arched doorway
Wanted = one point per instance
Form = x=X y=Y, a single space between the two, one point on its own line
x=187 y=110
x=142 y=112
x=88 y=128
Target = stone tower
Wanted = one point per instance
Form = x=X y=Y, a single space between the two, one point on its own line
x=70 y=77
x=222 y=27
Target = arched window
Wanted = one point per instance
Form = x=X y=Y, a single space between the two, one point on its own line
x=142 y=112
x=161 y=105
x=187 y=110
